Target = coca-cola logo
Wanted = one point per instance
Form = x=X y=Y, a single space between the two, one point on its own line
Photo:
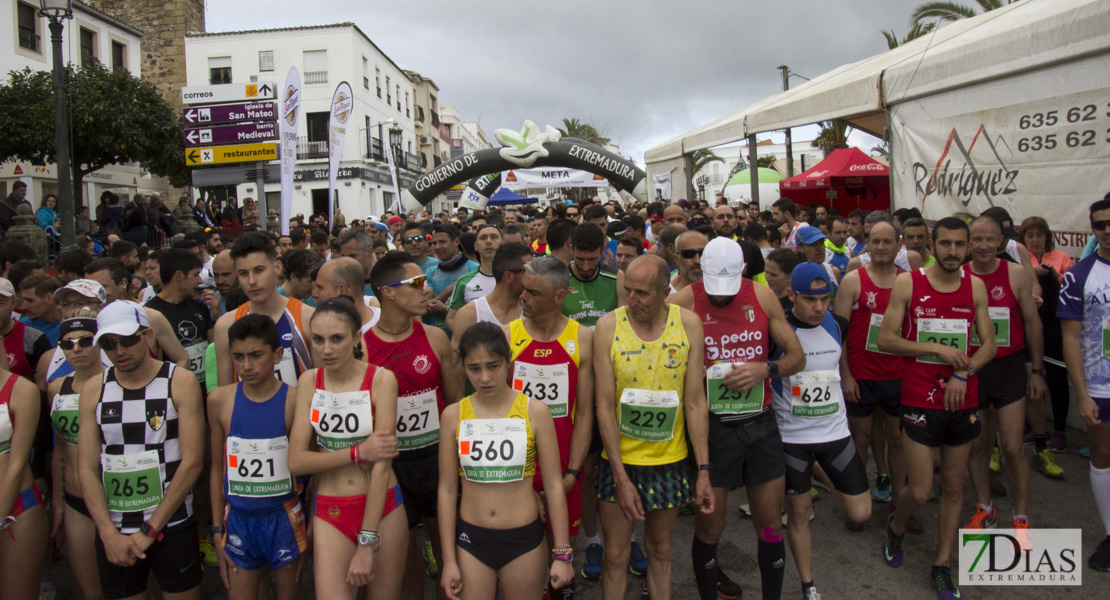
x=867 y=167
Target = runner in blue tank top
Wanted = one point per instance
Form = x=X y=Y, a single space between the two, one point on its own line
x=253 y=494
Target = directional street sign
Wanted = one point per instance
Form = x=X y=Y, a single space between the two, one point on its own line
x=231 y=92
x=261 y=131
x=216 y=155
x=230 y=113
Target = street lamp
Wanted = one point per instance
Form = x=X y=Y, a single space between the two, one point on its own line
x=395 y=133
x=57 y=11
x=381 y=133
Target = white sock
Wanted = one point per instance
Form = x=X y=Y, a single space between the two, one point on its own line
x=633 y=537
x=1100 y=485
x=987 y=507
x=594 y=540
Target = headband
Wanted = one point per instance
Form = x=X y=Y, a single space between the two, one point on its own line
x=78 y=324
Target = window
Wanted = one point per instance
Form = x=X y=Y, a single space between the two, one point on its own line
x=388 y=97
x=28 y=27
x=119 y=55
x=365 y=73
x=265 y=60
x=317 y=126
x=88 y=48
x=398 y=98
x=378 y=80
x=315 y=66
x=408 y=111
x=219 y=70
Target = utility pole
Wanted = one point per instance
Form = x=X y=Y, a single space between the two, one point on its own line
x=789 y=149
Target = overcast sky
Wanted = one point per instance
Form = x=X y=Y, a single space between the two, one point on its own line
x=642 y=72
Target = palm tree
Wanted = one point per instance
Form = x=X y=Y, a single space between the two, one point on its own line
x=833 y=135
x=766 y=162
x=953 y=11
x=584 y=131
x=918 y=30
x=700 y=158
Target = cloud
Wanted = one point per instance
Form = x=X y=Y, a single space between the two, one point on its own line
x=641 y=72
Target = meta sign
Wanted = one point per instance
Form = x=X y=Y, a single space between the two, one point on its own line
x=229 y=123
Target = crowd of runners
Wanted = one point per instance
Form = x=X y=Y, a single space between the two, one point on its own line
x=464 y=395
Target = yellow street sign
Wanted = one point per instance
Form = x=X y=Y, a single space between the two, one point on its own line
x=238 y=153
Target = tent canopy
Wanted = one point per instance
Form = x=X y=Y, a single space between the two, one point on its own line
x=1012 y=39
x=745 y=177
x=506 y=197
x=844 y=164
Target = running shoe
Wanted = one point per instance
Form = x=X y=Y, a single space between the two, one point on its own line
x=431 y=567
x=996 y=460
x=727 y=588
x=1058 y=442
x=208 y=553
x=1046 y=463
x=1021 y=531
x=811 y=593
x=982 y=519
x=591 y=570
x=1085 y=452
x=1100 y=560
x=892 y=546
x=813 y=493
x=637 y=560
x=881 y=491
x=941 y=578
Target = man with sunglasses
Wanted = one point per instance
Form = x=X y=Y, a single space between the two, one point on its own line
x=257 y=268
x=428 y=378
x=1083 y=312
x=479 y=282
x=415 y=242
x=501 y=305
x=141 y=450
x=79 y=293
x=688 y=250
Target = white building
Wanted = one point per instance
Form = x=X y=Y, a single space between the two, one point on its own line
x=325 y=55
x=463 y=138
x=90 y=36
x=713 y=177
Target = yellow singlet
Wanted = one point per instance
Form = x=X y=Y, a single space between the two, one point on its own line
x=519 y=410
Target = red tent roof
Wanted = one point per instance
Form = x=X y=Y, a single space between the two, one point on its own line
x=842 y=163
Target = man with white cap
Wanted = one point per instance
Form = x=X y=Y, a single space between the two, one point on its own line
x=79 y=293
x=23 y=345
x=741 y=319
x=140 y=452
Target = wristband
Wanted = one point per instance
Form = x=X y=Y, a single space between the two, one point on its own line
x=352 y=452
x=567 y=556
x=577 y=474
x=957 y=377
x=149 y=531
x=703 y=467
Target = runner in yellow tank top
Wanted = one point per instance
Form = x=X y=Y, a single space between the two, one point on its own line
x=649 y=399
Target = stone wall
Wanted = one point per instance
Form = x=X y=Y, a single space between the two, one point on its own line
x=164 y=25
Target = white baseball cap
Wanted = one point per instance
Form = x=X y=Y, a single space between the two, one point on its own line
x=121 y=317
x=722 y=267
x=86 y=287
x=6 y=288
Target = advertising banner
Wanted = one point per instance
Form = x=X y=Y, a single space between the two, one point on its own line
x=342 y=103
x=550 y=177
x=290 y=98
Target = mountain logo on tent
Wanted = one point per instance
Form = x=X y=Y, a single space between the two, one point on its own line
x=510 y=178
x=959 y=176
x=598 y=177
x=18 y=170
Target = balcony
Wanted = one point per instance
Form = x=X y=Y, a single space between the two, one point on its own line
x=310 y=149
x=435 y=119
x=29 y=40
x=419 y=114
x=315 y=77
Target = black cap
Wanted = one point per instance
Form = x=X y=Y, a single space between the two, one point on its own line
x=615 y=229
x=1005 y=223
x=447 y=228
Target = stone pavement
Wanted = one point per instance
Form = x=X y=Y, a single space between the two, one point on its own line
x=850 y=565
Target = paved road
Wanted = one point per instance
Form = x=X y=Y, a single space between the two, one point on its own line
x=849 y=565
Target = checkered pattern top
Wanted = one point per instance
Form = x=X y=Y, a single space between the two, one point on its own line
x=133 y=421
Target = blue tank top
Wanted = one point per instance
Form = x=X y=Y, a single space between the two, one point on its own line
x=251 y=423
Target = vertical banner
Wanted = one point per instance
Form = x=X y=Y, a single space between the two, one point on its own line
x=290 y=110
x=388 y=148
x=341 y=104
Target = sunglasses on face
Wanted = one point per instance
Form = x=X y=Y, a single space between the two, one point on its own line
x=412 y=240
x=416 y=282
x=1100 y=225
x=689 y=254
x=126 y=341
x=81 y=342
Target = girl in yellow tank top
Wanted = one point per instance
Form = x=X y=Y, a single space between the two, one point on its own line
x=491 y=441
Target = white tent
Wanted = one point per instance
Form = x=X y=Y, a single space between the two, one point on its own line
x=970 y=91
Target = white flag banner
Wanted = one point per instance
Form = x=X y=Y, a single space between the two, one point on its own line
x=662 y=185
x=550 y=177
x=388 y=149
x=342 y=102
x=290 y=112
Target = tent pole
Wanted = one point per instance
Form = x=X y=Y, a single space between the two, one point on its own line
x=753 y=169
